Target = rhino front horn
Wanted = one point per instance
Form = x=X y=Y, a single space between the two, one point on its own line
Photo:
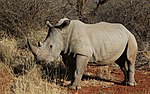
x=32 y=48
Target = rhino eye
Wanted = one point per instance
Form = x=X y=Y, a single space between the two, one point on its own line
x=51 y=46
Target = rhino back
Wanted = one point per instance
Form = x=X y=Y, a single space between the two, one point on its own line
x=103 y=42
x=108 y=41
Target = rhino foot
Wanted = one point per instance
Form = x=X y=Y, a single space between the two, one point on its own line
x=74 y=87
x=124 y=83
x=132 y=83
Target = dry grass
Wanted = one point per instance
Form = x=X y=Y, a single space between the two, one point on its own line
x=147 y=54
x=7 y=47
x=27 y=78
x=31 y=83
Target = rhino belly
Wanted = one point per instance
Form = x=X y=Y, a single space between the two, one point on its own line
x=107 y=55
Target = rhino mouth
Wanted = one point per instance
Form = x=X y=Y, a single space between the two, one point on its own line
x=53 y=62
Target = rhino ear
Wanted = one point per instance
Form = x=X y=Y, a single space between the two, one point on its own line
x=65 y=23
x=49 y=24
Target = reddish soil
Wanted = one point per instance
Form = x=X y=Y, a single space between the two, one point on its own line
x=5 y=79
x=142 y=78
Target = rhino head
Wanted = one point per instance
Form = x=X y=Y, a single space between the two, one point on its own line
x=49 y=50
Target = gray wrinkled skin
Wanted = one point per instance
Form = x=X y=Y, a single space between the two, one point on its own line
x=51 y=48
x=98 y=44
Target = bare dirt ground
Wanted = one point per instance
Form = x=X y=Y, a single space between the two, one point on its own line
x=114 y=86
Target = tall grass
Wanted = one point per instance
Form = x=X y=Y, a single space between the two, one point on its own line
x=32 y=83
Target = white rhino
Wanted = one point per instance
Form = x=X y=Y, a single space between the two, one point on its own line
x=99 y=44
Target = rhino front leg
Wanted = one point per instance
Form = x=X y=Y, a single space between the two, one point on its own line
x=81 y=63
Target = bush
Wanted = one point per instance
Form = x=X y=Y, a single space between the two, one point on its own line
x=17 y=17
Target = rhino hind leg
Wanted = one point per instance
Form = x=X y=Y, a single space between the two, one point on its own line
x=131 y=58
x=122 y=64
x=128 y=58
x=131 y=70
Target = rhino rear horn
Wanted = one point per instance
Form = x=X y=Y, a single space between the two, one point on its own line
x=40 y=44
x=32 y=47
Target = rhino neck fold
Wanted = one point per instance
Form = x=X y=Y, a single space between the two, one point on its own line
x=66 y=35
